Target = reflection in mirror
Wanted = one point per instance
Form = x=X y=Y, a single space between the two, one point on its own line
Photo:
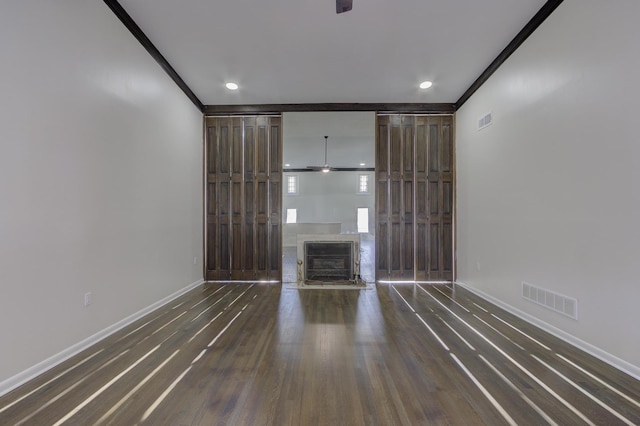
x=333 y=203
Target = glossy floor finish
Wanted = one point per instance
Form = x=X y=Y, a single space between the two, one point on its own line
x=266 y=354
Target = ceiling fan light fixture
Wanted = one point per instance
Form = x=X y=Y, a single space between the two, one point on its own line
x=426 y=84
x=326 y=168
x=231 y=85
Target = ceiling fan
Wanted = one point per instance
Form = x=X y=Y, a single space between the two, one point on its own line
x=325 y=168
x=343 y=5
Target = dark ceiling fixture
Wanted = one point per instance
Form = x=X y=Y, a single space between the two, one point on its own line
x=325 y=168
x=343 y=5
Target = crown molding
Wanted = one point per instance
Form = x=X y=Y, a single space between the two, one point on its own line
x=419 y=108
x=545 y=11
x=137 y=32
x=377 y=107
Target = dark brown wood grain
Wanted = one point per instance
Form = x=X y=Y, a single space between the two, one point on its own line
x=545 y=11
x=414 y=199
x=244 y=198
x=407 y=108
x=264 y=354
x=526 y=31
x=137 y=32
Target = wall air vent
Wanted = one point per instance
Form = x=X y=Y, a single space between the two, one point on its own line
x=556 y=302
x=485 y=120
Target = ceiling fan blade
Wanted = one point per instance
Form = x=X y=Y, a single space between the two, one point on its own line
x=323 y=169
x=343 y=5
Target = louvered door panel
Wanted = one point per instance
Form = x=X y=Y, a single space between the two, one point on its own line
x=275 y=199
x=422 y=199
x=243 y=171
x=383 y=242
x=248 y=233
x=237 y=193
x=414 y=198
x=396 y=216
x=218 y=231
x=408 y=194
x=440 y=194
x=262 y=201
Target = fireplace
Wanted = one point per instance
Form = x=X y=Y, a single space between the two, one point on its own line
x=328 y=260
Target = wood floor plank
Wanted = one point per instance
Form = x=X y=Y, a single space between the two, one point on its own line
x=267 y=354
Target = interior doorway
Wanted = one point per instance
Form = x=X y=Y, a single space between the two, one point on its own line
x=338 y=202
x=390 y=182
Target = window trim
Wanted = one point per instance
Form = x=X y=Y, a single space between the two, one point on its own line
x=358 y=220
x=295 y=215
x=297 y=184
x=367 y=183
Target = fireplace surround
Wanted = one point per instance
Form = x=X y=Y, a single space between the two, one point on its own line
x=328 y=259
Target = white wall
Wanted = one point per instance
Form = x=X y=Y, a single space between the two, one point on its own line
x=549 y=193
x=100 y=179
x=330 y=198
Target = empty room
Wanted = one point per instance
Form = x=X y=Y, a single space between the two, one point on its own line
x=327 y=212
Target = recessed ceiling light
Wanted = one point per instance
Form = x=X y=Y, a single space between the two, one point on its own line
x=287 y=165
x=231 y=86
x=362 y=164
x=426 y=84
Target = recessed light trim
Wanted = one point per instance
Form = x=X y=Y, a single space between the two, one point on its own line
x=426 y=84
x=232 y=86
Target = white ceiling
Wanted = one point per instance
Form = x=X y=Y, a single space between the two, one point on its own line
x=301 y=51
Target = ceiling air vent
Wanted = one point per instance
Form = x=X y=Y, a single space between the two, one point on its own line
x=485 y=120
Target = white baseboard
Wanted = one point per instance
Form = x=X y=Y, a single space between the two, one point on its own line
x=32 y=372
x=597 y=352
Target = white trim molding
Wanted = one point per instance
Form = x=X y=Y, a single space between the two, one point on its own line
x=19 y=379
x=614 y=361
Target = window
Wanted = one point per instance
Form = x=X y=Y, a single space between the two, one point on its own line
x=363 y=184
x=363 y=219
x=292 y=216
x=292 y=185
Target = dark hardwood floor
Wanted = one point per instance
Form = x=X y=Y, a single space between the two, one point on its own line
x=267 y=354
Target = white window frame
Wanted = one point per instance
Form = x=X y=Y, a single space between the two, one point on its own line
x=362 y=220
x=292 y=216
x=296 y=182
x=363 y=179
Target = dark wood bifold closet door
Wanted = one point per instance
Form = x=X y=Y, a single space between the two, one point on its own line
x=414 y=197
x=244 y=199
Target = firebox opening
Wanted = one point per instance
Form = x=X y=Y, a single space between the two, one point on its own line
x=329 y=261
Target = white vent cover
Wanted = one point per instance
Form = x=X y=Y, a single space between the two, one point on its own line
x=556 y=302
x=485 y=120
